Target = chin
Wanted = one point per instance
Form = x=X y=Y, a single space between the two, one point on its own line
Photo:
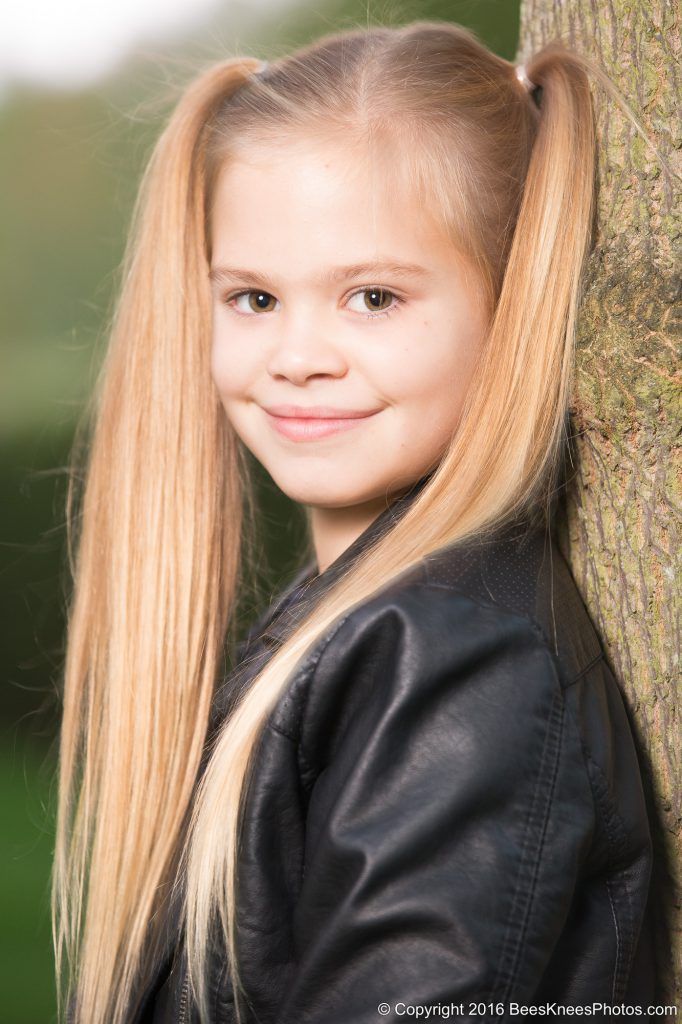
x=329 y=493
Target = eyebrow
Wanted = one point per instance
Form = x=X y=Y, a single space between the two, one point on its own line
x=395 y=268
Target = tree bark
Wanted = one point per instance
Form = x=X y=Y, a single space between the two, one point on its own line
x=620 y=520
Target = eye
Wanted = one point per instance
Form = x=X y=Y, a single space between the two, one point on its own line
x=376 y=299
x=257 y=301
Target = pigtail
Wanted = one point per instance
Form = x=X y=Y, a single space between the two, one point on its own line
x=532 y=337
x=156 y=572
x=541 y=288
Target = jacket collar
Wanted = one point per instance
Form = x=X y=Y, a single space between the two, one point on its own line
x=308 y=585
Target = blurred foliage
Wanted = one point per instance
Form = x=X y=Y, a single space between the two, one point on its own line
x=26 y=957
x=69 y=168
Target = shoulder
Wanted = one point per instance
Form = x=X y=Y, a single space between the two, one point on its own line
x=521 y=571
x=483 y=660
x=514 y=582
x=495 y=622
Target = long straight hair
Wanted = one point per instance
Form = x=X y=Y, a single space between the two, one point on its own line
x=163 y=545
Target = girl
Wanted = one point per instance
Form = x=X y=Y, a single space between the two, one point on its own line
x=416 y=792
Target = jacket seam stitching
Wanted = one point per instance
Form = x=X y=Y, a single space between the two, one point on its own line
x=585 y=669
x=617 y=839
x=616 y=835
x=618 y=940
x=223 y=991
x=282 y=732
x=307 y=769
x=550 y=750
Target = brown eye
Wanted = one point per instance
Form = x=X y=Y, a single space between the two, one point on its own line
x=379 y=301
x=376 y=299
x=257 y=301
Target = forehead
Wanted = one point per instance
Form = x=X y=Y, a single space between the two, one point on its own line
x=322 y=201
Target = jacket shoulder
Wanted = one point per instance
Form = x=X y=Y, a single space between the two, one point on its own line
x=513 y=589
x=417 y=645
x=522 y=571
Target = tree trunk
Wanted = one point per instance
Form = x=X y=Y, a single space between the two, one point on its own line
x=620 y=525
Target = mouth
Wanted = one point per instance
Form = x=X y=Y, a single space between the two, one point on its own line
x=307 y=424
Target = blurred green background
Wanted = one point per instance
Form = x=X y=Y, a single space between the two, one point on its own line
x=69 y=164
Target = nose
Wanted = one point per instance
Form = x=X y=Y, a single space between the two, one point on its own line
x=303 y=348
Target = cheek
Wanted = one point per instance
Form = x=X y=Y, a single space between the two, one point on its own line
x=448 y=386
x=229 y=368
x=429 y=383
x=426 y=373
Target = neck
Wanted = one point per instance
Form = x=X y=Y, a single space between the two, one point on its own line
x=334 y=530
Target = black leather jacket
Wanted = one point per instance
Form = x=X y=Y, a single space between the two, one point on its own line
x=447 y=806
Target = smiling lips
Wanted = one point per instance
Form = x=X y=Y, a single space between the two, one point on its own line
x=306 y=424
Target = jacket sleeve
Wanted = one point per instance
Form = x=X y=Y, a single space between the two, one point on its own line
x=448 y=819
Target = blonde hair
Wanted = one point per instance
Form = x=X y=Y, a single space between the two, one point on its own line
x=163 y=547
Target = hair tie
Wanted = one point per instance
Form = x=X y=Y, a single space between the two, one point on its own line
x=522 y=76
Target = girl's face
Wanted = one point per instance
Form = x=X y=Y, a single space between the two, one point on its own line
x=333 y=295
